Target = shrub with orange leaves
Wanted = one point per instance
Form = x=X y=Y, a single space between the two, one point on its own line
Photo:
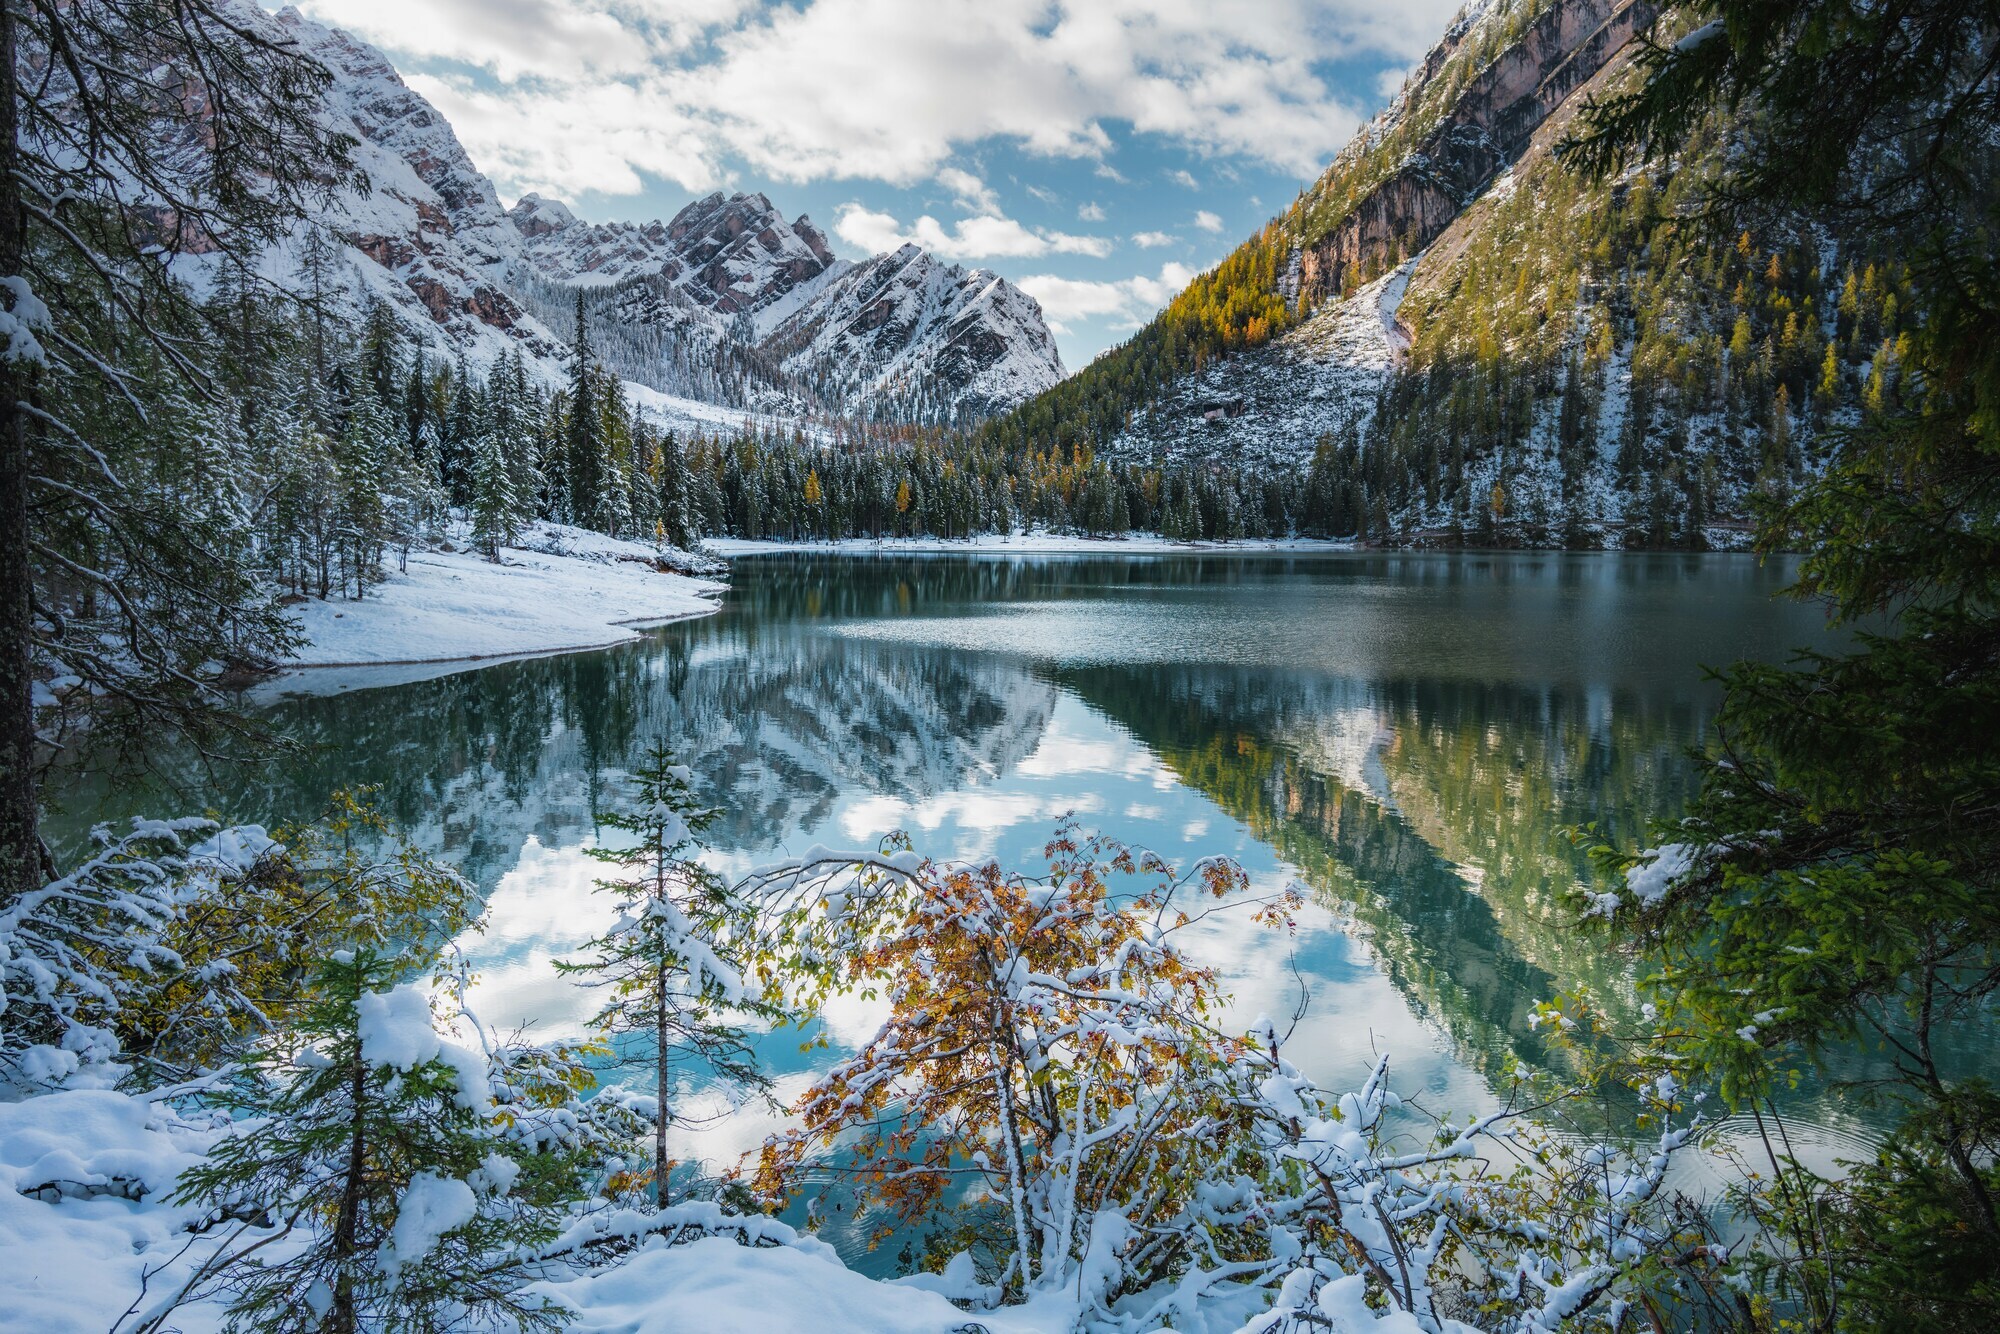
x=1050 y=1057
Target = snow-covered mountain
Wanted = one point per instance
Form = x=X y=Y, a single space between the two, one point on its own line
x=693 y=309
x=732 y=254
x=907 y=328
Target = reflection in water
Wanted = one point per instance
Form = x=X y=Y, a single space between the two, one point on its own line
x=1405 y=733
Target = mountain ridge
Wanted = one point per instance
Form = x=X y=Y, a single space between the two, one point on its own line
x=689 y=300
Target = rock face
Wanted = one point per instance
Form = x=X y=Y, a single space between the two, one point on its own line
x=688 y=307
x=1488 y=125
x=906 y=332
x=732 y=254
x=429 y=237
x=1323 y=377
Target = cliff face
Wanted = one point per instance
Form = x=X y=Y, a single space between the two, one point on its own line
x=730 y=254
x=682 y=307
x=1488 y=125
x=906 y=329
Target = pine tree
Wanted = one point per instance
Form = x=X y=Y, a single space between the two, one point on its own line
x=676 y=518
x=495 y=509
x=669 y=963
x=583 y=444
x=379 y=1134
x=233 y=145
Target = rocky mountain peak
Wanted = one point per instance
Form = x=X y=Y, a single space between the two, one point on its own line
x=690 y=306
x=535 y=216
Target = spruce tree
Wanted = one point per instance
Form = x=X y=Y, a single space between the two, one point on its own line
x=231 y=151
x=374 y=1139
x=495 y=510
x=583 y=444
x=676 y=986
x=1838 y=874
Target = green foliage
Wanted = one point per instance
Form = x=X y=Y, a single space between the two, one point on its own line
x=670 y=966
x=1835 y=880
x=376 y=1147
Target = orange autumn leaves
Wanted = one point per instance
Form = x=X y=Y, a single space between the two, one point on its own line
x=1047 y=1047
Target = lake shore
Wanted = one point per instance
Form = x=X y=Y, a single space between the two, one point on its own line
x=1030 y=543
x=562 y=590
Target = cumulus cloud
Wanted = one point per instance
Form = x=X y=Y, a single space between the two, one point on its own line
x=690 y=89
x=982 y=236
x=1125 y=302
x=1151 y=240
x=1207 y=221
x=1091 y=213
x=968 y=191
x=1185 y=178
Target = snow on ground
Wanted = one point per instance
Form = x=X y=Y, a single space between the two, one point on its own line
x=563 y=589
x=1021 y=543
x=1317 y=378
x=86 y=1233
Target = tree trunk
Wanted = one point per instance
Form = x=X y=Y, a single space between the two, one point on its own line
x=346 y=1229
x=20 y=835
x=660 y=1112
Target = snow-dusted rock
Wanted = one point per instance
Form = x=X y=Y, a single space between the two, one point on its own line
x=906 y=327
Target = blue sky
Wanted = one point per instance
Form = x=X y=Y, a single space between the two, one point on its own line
x=1097 y=154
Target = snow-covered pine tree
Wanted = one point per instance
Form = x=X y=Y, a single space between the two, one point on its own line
x=373 y=1139
x=495 y=510
x=227 y=154
x=613 y=513
x=670 y=964
x=583 y=436
x=511 y=416
x=461 y=434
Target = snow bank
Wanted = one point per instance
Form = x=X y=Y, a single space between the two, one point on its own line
x=82 y=1179
x=719 y=1287
x=581 y=590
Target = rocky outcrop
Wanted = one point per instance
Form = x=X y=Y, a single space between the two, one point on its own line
x=906 y=335
x=685 y=307
x=732 y=254
x=1489 y=124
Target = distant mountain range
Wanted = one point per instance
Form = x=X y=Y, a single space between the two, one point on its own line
x=724 y=310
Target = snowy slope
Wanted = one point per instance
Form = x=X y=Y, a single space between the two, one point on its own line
x=905 y=326
x=1279 y=400
x=730 y=254
x=469 y=277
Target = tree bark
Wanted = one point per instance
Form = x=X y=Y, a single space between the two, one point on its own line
x=660 y=1196
x=20 y=834
x=347 y=1226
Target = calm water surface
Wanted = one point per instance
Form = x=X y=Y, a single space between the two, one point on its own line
x=1402 y=735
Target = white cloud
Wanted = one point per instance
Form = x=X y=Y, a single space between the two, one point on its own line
x=1183 y=177
x=1046 y=195
x=1151 y=240
x=1207 y=221
x=983 y=236
x=1105 y=171
x=876 y=89
x=968 y=191
x=1126 y=302
x=1091 y=213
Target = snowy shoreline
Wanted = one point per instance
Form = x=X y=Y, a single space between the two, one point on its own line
x=565 y=590
x=1062 y=544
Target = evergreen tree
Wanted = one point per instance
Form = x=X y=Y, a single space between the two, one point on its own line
x=1838 y=875
x=380 y=1134
x=669 y=964
x=232 y=147
x=495 y=510
x=583 y=444
x=675 y=510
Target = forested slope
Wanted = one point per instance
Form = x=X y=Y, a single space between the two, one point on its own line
x=1454 y=336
